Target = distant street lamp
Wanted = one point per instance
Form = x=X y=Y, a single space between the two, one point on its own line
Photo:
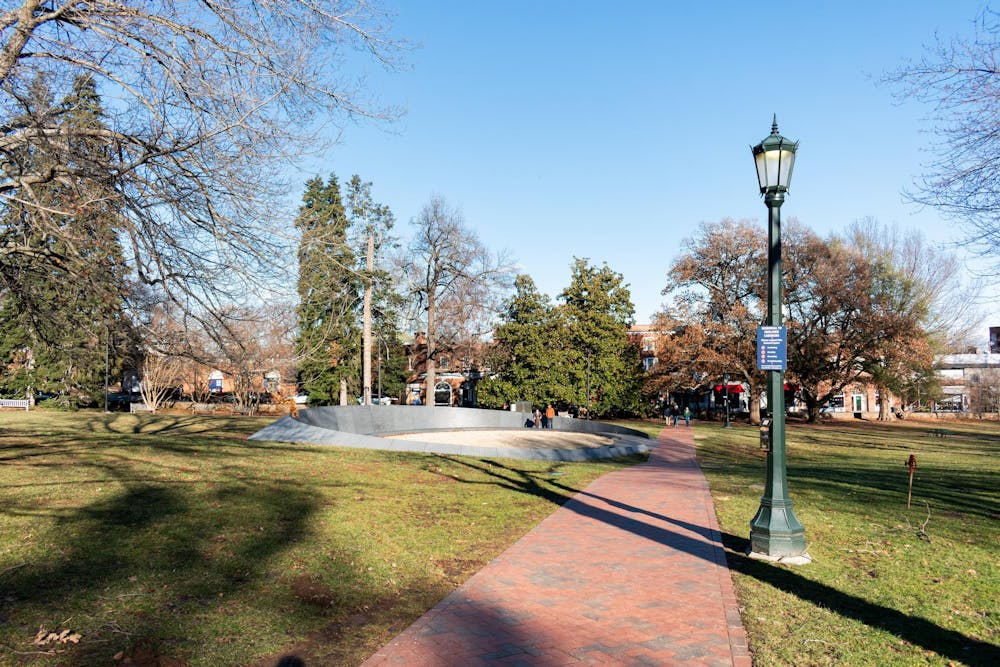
x=107 y=365
x=725 y=381
x=775 y=532
x=379 y=351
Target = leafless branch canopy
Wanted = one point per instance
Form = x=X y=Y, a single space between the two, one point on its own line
x=454 y=281
x=204 y=104
x=960 y=78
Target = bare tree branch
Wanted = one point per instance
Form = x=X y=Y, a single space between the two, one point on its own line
x=205 y=103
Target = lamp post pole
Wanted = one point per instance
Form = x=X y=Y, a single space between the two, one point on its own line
x=725 y=381
x=382 y=344
x=107 y=366
x=775 y=532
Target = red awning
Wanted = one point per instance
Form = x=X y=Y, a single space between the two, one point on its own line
x=733 y=388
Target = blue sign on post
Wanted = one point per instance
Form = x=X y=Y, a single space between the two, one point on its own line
x=772 y=348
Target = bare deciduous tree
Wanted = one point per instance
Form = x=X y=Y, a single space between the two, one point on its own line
x=455 y=282
x=259 y=341
x=160 y=374
x=960 y=78
x=922 y=304
x=984 y=392
x=205 y=102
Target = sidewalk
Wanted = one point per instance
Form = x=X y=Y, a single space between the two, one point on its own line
x=631 y=571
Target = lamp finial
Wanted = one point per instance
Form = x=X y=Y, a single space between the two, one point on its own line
x=774 y=124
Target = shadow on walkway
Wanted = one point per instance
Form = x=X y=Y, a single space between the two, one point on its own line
x=700 y=541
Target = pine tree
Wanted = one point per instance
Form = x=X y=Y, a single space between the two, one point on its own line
x=329 y=341
x=63 y=292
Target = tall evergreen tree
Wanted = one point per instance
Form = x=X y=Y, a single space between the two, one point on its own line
x=529 y=355
x=597 y=307
x=329 y=340
x=62 y=296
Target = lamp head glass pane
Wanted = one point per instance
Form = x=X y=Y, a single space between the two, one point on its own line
x=774 y=158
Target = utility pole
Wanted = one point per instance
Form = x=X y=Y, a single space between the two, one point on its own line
x=367 y=316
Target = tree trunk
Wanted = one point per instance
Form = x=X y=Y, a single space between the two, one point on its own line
x=431 y=379
x=883 y=405
x=343 y=391
x=754 y=404
x=366 y=356
x=814 y=413
x=813 y=406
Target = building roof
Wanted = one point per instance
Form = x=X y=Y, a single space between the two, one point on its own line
x=980 y=360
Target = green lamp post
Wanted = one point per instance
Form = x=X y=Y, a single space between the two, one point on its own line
x=775 y=532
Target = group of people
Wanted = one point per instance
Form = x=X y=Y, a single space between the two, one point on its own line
x=541 y=419
x=673 y=413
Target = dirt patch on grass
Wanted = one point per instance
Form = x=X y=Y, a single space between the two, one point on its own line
x=457 y=570
x=312 y=592
x=147 y=654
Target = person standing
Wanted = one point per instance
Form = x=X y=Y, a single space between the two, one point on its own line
x=538 y=418
x=675 y=412
x=687 y=416
x=550 y=415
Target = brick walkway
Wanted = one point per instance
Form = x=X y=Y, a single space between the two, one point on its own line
x=631 y=571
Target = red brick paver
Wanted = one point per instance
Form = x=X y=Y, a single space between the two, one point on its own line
x=631 y=571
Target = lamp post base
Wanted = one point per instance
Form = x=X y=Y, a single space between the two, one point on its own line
x=775 y=533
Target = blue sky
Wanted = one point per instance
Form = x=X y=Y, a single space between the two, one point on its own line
x=611 y=130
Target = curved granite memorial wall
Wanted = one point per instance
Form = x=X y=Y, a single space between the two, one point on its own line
x=363 y=426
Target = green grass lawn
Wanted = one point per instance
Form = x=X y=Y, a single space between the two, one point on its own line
x=888 y=585
x=172 y=540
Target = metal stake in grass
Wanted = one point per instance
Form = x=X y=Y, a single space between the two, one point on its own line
x=911 y=463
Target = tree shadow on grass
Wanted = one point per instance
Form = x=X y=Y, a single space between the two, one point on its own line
x=913 y=629
x=971 y=492
x=152 y=561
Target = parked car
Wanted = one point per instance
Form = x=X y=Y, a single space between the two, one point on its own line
x=120 y=400
x=380 y=400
